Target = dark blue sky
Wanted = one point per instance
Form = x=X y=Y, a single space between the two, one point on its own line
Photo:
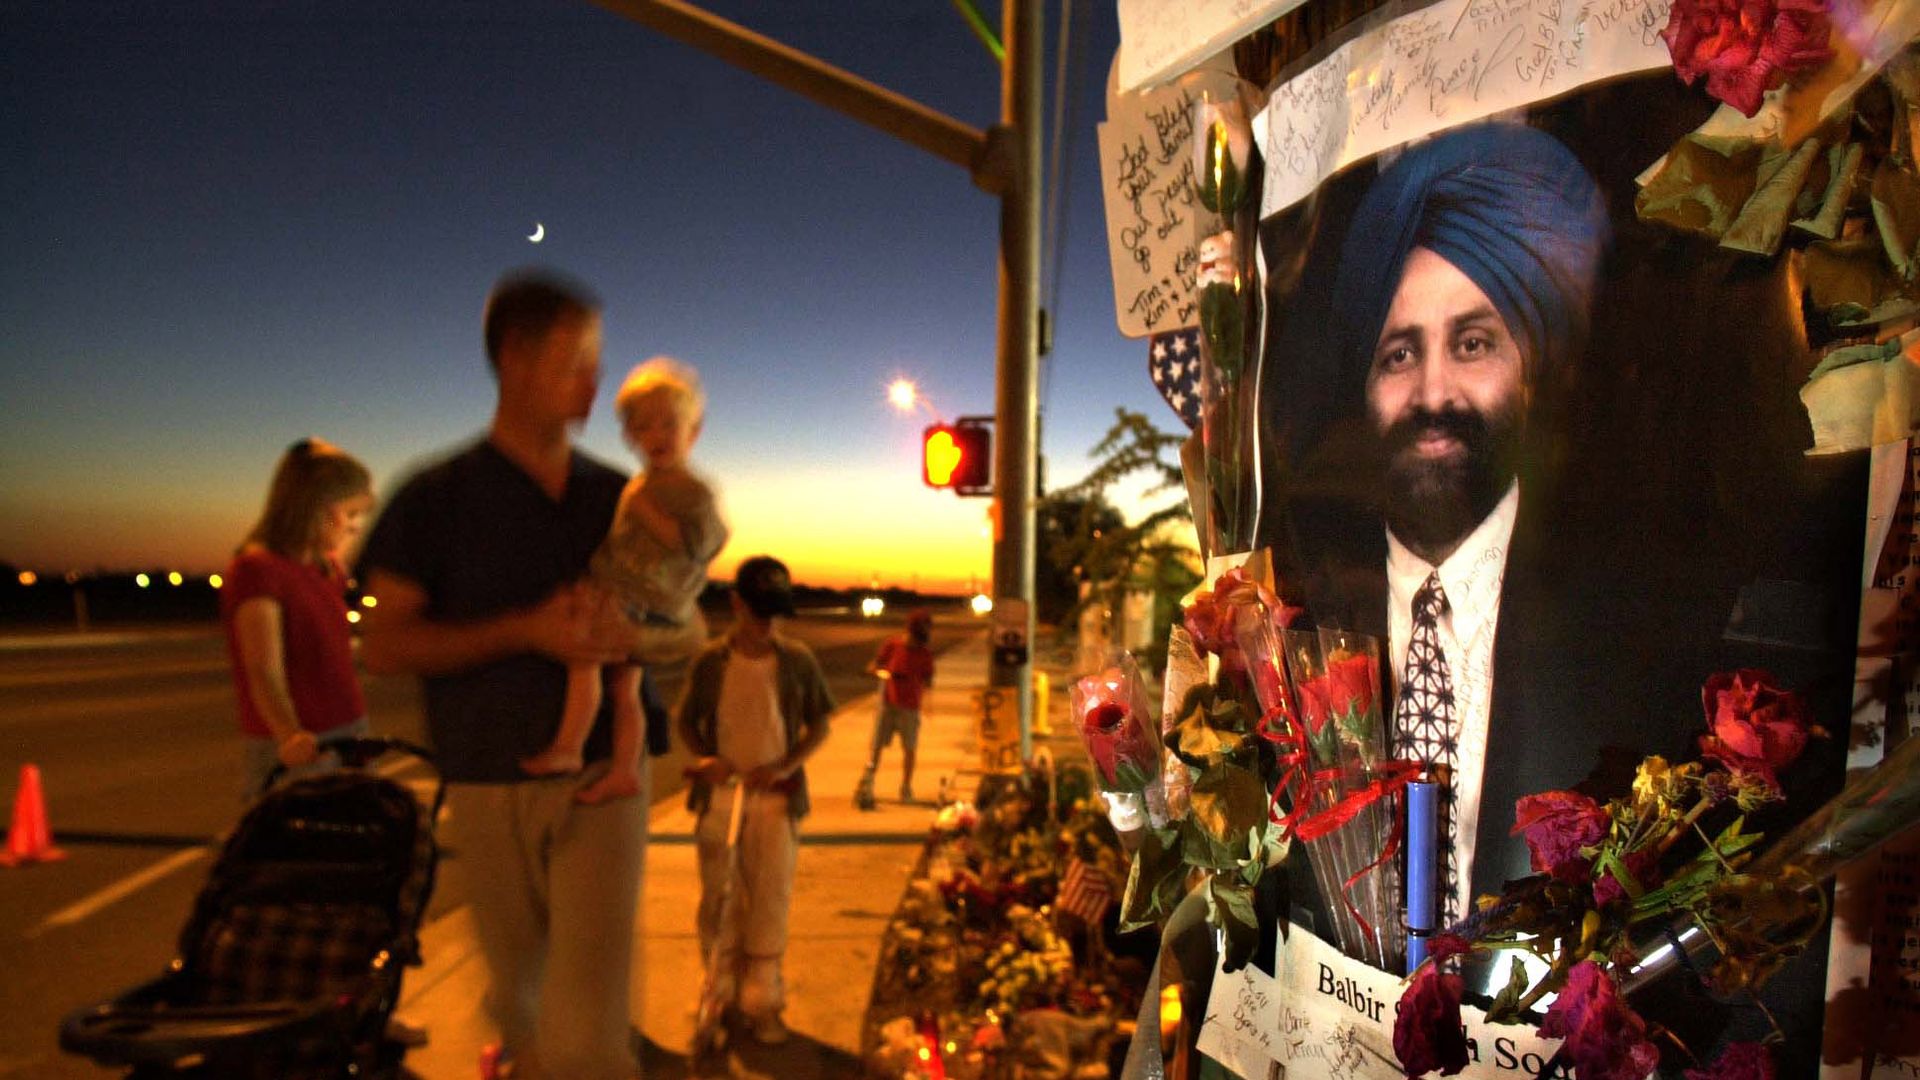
x=232 y=224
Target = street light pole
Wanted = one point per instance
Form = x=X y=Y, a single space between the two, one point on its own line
x=1016 y=409
x=1005 y=162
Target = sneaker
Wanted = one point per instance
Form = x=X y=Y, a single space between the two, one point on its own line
x=769 y=1030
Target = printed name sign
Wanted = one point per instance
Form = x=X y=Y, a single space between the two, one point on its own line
x=1332 y=1019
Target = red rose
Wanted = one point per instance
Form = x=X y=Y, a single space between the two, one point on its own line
x=1210 y=618
x=1117 y=742
x=1427 y=1034
x=1739 y=1061
x=1746 y=47
x=1754 y=727
x=1348 y=686
x=1557 y=825
x=1605 y=1040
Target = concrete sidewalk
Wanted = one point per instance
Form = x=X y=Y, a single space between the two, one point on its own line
x=853 y=868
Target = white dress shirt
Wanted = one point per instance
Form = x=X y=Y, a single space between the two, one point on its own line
x=1471 y=577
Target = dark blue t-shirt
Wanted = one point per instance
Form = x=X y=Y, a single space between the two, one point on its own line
x=481 y=537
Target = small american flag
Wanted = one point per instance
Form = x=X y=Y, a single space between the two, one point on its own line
x=1084 y=891
x=1173 y=362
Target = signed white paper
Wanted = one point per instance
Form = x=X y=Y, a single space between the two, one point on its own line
x=1445 y=65
x=1160 y=39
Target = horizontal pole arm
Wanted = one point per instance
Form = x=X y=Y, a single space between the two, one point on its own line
x=840 y=90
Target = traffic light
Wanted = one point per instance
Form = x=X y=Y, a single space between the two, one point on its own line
x=958 y=456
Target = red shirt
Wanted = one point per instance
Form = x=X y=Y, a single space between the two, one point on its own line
x=911 y=669
x=313 y=633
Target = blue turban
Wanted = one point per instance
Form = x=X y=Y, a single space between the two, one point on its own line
x=1510 y=207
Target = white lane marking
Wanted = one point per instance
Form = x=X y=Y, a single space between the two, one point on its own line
x=119 y=890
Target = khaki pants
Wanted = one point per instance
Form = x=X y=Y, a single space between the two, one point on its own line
x=753 y=942
x=553 y=886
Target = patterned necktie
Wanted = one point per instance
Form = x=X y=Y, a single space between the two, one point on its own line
x=1425 y=723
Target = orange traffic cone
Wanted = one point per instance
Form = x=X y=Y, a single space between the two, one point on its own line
x=30 y=841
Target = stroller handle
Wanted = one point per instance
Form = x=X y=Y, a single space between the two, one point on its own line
x=361 y=751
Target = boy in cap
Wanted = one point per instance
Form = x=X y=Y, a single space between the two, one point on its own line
x=754 y=709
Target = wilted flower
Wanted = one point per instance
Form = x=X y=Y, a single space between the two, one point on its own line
x=1641 y=864
x=1755 y=728
x=1210 y=618
x=1605 y=1039
x=1739 y=1061
x=1659 y=789
x=1427 y=1035
x=1557 y=825
x=1746 y=47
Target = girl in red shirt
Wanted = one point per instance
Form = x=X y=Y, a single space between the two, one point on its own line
x=284 y=610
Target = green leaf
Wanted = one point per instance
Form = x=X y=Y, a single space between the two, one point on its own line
x=1505 y=1008
x=1763 y=218
x=1896 y=215
x=1843 y=168
x=1230 y=907
x=1228 y=802
x=1155 y=882
x=1702 y=185
x=1222 y=321
x=1849 y=355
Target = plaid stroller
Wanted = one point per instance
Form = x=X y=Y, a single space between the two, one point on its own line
x=290 y=964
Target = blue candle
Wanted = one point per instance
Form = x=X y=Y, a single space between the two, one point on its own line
x=1423 y=840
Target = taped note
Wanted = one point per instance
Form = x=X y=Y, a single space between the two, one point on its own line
x=1445 y=65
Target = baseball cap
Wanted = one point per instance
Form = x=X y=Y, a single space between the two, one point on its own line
x=765 y=586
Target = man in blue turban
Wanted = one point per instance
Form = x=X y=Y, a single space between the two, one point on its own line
x=1463 y=285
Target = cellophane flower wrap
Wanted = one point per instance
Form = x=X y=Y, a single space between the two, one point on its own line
x=1121 y=735
x=1337 y=791
x=1226 y=178
x=1612 y=878
x=1225 y=828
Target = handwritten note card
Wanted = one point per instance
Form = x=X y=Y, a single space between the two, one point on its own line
x=1456 y=61
x=1238 y=1028
x=1160 y=39
x=1154 y=218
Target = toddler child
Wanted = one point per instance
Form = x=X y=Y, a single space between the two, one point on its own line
x=653 y=564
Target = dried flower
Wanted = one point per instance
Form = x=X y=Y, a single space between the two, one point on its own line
x=1557 y=825
x=1755 y=728
x=1427 y=1035
x=1746 y=47
x=1605 y=1039
x=1739 y=1061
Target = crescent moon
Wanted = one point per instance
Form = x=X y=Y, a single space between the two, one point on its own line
x=539 y=232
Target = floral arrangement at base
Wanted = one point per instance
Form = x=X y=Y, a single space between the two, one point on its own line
x=997 y=962
x=1611 y=879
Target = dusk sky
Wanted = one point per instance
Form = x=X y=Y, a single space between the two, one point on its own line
x=233 y=224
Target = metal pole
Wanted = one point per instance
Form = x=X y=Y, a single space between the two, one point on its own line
x=930 y=130
x=1016 y=411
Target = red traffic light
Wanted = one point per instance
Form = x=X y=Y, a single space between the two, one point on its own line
x=958 y=456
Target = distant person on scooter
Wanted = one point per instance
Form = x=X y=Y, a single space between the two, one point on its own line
x=905 y=668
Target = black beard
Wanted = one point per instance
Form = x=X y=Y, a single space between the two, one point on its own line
x=1431 y=506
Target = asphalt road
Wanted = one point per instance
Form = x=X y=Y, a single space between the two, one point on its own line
x=134 y=737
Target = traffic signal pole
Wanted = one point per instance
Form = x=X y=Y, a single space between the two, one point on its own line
x=1016 y=408
x=1005 y=162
